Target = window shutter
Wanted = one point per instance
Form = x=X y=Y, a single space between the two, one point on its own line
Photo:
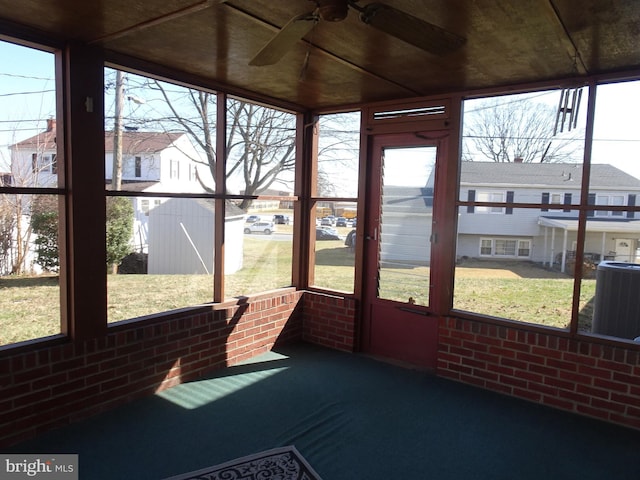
x=545 y=201
x=591 y=201
x=509 y=210
x=631 y=201
x=471 y=197
x=567 y=201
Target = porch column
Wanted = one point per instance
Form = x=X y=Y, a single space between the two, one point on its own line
x=604 y=241
x=546 y=245
x=564 y=251
x=553 y=242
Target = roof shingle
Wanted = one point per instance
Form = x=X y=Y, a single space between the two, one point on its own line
x=548 y=174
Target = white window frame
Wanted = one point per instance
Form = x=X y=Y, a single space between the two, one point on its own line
x=174 y=169
x=612 y=200
x=484 y=244
x=44 y=162
x=137 y=166
x=490 y=196
x=520 y=245
x=556 y=200
x=502 y=244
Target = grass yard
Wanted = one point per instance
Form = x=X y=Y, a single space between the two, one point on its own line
x=521 y=291
x=30 y=308
x=514 y=290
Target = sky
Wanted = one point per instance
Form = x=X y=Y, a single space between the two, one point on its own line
x=616 y=129
x=27 y=95
x=27 y=99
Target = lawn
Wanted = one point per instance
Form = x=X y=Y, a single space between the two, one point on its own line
x=515 y=290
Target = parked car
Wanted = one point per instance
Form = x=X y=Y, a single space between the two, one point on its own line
x=331 y=230
x=260 y=227
x=328 y=221
x=341 y=222
x=252 y=219
x=281 y=219
x=350 y=240
x=324 y=234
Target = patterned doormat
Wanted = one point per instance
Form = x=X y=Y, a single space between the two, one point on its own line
x=284 y=463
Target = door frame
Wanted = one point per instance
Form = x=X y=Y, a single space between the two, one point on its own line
x=417 y=343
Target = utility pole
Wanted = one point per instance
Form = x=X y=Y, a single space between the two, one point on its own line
x=116 y=175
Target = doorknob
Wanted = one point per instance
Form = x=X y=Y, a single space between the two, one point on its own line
x=375 y=235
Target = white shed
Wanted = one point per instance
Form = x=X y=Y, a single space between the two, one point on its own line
x=181 y=237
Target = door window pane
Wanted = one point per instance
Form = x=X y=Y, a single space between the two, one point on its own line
x=408 y=179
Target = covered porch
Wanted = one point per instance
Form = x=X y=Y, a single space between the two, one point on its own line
x=606 y=239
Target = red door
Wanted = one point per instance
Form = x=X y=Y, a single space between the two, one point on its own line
x=397 y=317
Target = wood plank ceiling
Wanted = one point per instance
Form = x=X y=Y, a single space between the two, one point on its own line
x=507 y=42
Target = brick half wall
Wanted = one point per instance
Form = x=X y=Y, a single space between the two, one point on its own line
x=329 y=321
x=53 y=385
x=576 y=375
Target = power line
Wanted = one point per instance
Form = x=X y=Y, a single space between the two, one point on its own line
x=576 y=139
x=21 y=130
x=28 y=77
x=23 y=120
x=26 y=93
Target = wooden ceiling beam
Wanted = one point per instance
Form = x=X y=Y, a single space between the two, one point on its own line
x=156 y=21
x=566 y=39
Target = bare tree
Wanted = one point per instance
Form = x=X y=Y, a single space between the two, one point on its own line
x=33 y=164
x=338 y=152
x=260 y=141
x=501 y=131
x=7 y=231
x=260 y=146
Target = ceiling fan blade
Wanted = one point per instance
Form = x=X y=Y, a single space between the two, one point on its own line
x=410 y=29
x=284 y=40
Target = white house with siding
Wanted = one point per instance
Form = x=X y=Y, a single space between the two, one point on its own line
x=546 y=235
x=154 y=162
x=34 y=160
x=151 y=162
x=406 y=215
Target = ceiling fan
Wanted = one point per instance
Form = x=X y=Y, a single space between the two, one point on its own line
x=385 y=18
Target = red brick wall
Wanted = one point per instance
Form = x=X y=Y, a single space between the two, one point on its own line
x=329 y=320
x=48 y=386
x=580 y=376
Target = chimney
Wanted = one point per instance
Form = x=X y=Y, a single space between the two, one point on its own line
x=51 y=124
x=518 y=160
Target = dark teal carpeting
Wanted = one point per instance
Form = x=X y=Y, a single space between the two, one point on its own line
x=353 y=418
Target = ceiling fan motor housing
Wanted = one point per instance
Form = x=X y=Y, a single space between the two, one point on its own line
x=333 y=10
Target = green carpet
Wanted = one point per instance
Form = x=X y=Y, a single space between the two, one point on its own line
x=352 y=418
